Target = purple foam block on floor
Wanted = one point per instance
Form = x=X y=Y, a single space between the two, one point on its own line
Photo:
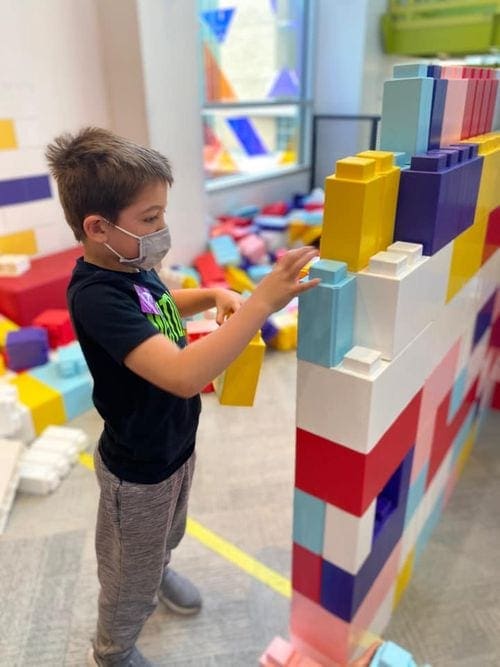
x=27 y=347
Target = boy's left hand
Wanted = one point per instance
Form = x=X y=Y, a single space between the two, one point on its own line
x=227 y=302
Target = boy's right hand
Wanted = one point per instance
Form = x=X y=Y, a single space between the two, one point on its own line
x=282 y=284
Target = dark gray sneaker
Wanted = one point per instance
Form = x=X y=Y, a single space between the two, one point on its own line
x=179 y=594
x=135 y=659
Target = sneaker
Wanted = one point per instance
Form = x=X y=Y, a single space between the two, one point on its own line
x=135 y=659
x=179 y=594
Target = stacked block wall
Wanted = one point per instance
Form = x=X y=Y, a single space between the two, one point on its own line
x=385 y=427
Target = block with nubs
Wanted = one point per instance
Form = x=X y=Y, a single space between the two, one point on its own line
x=351 y=219
x=238 y=384
x=434 y=206
x=26 y=348
x=406 y=110
x=326 y=315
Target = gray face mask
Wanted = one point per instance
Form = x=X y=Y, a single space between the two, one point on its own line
x=152 y=248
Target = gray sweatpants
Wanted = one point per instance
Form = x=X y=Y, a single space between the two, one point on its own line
x=137 y=527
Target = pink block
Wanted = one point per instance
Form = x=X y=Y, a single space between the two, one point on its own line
x=328 y=638
x=253 y=248
x=278 y=654
x=453 y=117
x=435 y=389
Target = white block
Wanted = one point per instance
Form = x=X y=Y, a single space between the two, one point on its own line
x=395 y=302
x=348 y=538
x=37 y=479
x=10 y=455
x=390 y=264
x=353 y=410
x=76 y=436
x=14 y=265
x=362 y=361
x=57 y=446
x=413 y=251
x=52 y=460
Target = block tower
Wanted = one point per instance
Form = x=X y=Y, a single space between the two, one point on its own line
x=398 y=353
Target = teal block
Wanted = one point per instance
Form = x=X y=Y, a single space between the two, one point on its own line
x=308 y=521
x=457 y=393
x=410 y=70
x=416 y=493
x=392 y=655
x=462 y=435
x=406 y=114
x=75 y=390
x=326 y=315
x=225 y=250
x=428 y=529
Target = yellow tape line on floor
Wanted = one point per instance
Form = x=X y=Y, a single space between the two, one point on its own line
x=225 y=549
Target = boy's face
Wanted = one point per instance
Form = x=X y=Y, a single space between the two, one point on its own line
x=144 y=216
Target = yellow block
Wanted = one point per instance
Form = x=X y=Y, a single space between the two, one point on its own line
x=311 y=234
x=390 y=173
x=468 y=247
x=189 y=282
x=7 y=134
x=286 y=338
x=2 y=365
x=403 y=578
x=296 y=229
x=6 y=326
x=466 y=450
x=46 y=404
x=353 y=213
x=238 y=279
x=21 y=243
x=238 y=383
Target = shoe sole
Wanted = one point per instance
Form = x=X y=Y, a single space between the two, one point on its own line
x=182 y=611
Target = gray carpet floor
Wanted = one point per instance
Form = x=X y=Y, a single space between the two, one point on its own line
x=243 y=487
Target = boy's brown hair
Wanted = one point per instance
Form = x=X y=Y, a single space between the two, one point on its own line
x=98 y=172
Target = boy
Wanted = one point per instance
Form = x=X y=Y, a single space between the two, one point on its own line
x=146 y=380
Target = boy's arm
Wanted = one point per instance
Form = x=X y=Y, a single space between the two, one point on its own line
x=190 y=301
x=186 y=371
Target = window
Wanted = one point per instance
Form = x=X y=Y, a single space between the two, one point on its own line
x=256 y=110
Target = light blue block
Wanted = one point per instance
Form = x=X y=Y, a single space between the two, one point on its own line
x=258 y=271
x=457 y=393
x=308 y=521
x=225 y=250
x=401 y=160
x=462 y=435
x=247 y=211
x=75 y=390
x=406 y=114
x=326 y=315
x=392 y=655
x=410 y=70
x=416 y=493
x=428 y=529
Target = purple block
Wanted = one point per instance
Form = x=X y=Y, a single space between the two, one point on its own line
x=26 y=348
x=437 y=108
x=437 y=197
x=21 y=190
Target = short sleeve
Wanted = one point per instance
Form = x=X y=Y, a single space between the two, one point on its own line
x=111 y=318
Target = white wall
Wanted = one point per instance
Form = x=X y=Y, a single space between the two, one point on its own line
x=51 y=80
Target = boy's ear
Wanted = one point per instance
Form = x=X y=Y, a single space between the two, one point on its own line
x=95 y=228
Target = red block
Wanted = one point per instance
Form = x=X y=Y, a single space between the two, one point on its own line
x=491 y=105
x=57 y=322
x=469 y=102
x=210 y=272
x=278 y=208
x=346 y=478
x=444 y=432
x=492 y=241
x=306 y=573
x=495 y=399
x=41 y=288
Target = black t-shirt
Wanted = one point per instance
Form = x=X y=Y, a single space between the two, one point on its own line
x=148 y=433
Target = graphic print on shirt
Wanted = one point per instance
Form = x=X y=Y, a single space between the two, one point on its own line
x=168 y=322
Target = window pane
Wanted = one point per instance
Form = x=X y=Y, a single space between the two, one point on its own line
x=252 y=49
x=250 y=140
